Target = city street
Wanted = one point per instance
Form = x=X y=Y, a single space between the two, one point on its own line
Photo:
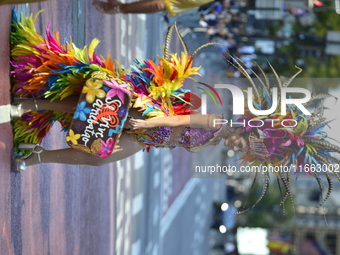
x=146 y=204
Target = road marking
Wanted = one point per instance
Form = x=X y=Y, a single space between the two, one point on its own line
x=217 y=189
x=149 y=247
x=123 y=48
x=78 y=23
x=5 y=113
x=156 y=179
x=129 y=42
x=138 y=160
x=167 y=181
x=137 y=204
x=140 y=49
x=176 y=206
x=155 y=249
x=203 y=189
x=141 y=16
x=136 y=247
x=112 y=209
x=198 y=200
x=120 y=208
x=127 y=206
x=155 y=215
x=156 y=151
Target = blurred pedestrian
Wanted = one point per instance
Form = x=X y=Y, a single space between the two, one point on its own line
x=173 y=7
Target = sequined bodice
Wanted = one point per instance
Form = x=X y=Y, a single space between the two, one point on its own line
x=166 y=137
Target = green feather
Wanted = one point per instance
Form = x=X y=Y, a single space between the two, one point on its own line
x=209 y=93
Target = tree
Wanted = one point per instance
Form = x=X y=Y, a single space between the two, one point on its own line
x=268 y=212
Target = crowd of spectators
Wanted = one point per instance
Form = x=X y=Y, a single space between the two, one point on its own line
x=227 y=22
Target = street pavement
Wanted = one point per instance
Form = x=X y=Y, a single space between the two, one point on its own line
x=146 y=204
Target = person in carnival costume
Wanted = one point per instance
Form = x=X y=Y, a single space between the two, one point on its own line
x=49 y=78
x=56 y=82
x=173 y=7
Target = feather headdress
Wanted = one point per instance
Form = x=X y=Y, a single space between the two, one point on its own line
x=302 y=147
x=159 y=87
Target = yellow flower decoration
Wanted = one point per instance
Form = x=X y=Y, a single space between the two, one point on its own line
x=73 y=138
x=92 y=88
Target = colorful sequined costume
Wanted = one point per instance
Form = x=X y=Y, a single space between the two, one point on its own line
x=175 y=7
x=192 y=139
x=47 y=69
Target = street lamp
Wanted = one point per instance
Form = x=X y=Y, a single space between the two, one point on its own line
x=222 y=229
x=224 y=207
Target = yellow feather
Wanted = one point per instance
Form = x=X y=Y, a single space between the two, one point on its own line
x=94 y=43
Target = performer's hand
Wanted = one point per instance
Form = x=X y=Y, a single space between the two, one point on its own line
x=111 y=7
x=137 y=124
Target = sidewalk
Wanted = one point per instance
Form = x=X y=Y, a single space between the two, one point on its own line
x=5 y=134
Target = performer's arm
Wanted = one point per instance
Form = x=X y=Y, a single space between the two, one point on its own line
x=195 y=121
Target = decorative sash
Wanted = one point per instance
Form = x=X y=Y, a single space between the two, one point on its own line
x=100 y=114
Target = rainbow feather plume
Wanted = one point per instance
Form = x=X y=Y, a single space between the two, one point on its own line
x=158 y=87
x=44 y=68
